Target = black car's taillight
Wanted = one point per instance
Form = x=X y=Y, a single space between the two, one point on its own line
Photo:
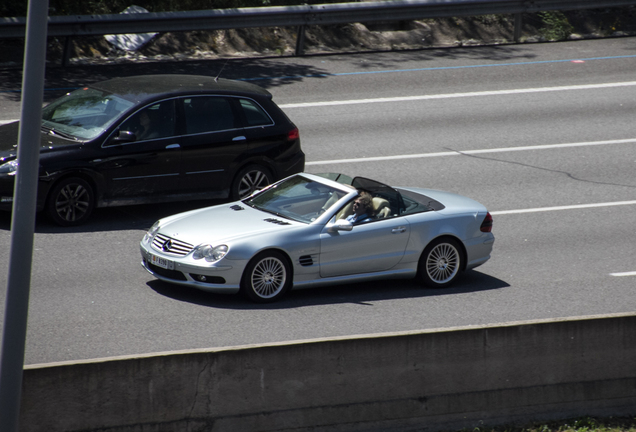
x=293 y=134
x=486 y=225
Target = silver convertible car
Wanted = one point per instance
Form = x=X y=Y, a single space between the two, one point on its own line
x=299 y=233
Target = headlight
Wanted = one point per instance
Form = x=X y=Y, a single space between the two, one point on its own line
x=209 y=252
x=151 y=232
x=9 y=168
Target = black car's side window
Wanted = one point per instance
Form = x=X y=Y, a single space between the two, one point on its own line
x=208 y=114
x=254 y=114
x=154 y=121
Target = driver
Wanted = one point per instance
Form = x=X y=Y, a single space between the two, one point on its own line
x=362 y=209
x=148 y=124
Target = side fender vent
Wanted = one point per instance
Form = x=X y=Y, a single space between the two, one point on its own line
x=306 y=260
x=276 y=221
x=237 y=207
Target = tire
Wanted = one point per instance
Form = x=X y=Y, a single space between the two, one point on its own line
x=71 y=202
x=267 y=277
x=440 y=263
x=249 y=180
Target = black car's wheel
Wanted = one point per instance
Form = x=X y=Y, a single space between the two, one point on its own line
x=267 y=277
x=249 y=180
x=440 y=263
x=71 y=202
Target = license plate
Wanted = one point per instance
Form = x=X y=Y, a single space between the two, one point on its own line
x=162 y=262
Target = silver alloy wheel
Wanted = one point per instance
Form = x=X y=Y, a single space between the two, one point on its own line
x=252 y=181
x=268 y=277
x=442 y=263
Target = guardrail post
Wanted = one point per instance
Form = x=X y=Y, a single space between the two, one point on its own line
x=66 y=53
x=300 y=41
x=518 y=23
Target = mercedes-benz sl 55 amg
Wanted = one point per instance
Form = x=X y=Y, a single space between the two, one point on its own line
x=296 y=234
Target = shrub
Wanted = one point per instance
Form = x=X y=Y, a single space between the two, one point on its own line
x=555 y=25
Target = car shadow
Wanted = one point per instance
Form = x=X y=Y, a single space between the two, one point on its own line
x=360 y=293
x=268 y=72
x=132 y=217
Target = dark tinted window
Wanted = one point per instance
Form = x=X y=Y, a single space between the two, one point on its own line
x=254 y=114
x=208 y=114
x=154 y=121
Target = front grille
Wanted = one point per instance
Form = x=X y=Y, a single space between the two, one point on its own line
x=169 y=274
x=172 y=246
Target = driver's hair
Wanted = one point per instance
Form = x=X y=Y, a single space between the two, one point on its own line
x=366 y=200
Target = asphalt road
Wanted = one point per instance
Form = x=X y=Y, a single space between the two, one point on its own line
x=542 y=134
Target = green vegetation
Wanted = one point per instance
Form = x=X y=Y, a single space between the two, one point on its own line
x=494 y=20
x=586 y=424
x=555 y=25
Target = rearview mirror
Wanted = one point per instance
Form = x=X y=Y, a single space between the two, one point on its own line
x=125 y=136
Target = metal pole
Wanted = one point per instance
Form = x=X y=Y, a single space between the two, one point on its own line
x=23 y=217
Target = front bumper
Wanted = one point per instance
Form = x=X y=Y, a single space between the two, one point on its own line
x=7 y=188
x=222 y=278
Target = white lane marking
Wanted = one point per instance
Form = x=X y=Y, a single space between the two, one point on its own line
x=459 y=95
x=6 y=121
x=624 y=274
x=472 y=152
x=559 y=208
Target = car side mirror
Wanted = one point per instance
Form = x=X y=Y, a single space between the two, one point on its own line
x=340 y=225
x=125 y=136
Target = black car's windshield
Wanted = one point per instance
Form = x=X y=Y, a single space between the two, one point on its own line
x=83 y=114
x=296 y=198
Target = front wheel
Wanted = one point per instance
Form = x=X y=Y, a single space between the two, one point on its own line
x=71 y=202
x=267 y=277
x=440 y=263
x=249 y=180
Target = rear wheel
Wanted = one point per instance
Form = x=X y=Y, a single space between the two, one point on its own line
x=71 y=202
x=440 y=263
x=249 y=180
x=267 y=277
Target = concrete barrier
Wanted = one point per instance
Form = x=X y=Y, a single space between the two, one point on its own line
x=425 y=380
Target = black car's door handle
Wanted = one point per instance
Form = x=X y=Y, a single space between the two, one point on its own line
x=239 y=138
x=173 y=146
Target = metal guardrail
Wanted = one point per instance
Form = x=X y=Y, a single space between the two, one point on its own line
x=341 y=13
x=294 y=16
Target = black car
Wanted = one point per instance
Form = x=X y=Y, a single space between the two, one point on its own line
x=149 y=139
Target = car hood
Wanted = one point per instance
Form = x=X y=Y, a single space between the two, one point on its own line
x=223 y=223
x=9 y=140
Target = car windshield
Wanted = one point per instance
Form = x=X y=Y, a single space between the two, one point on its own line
x=296 y=198
x=83 y=114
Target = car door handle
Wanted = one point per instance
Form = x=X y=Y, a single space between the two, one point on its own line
x=398 y=230
x=239 y=138
x=173 y=146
